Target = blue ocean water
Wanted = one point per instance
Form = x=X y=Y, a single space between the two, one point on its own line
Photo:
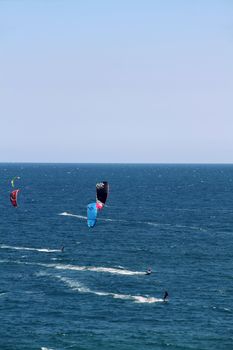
x=175 y=219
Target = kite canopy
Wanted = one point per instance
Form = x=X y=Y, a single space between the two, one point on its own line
x=102 y=189
x=13 y=198
x=13 y=180
x=91 y=214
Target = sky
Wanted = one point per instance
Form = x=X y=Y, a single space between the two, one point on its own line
x=116 y=81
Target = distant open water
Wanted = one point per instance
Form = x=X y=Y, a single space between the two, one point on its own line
x=175 y=219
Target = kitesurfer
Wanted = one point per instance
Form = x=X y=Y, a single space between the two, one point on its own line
x=62 y=249
x=165 y=296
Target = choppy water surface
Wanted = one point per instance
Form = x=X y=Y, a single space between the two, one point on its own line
x=177 y=220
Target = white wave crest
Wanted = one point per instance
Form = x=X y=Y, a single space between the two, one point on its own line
x=43 y=250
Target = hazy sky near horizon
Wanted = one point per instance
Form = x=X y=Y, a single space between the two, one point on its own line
x=116 y=81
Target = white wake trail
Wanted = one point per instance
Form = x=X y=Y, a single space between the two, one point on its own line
x=73 y=215
x=100 y=269
x=43 y=250
x=77 y=286
x=111 y=270
x=85 y=218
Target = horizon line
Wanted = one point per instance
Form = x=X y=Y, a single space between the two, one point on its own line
x=123 y=163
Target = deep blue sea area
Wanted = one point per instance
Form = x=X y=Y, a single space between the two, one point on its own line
x=175 y=219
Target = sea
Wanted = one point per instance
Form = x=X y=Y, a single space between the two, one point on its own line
x=93 y=294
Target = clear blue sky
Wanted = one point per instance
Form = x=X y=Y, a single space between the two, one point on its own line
x=116 y=81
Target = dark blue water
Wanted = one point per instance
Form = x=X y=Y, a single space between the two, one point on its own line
x=177 y=220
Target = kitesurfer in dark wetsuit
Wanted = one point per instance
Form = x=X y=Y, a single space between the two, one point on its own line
x=165 y=296
x=62 y=249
